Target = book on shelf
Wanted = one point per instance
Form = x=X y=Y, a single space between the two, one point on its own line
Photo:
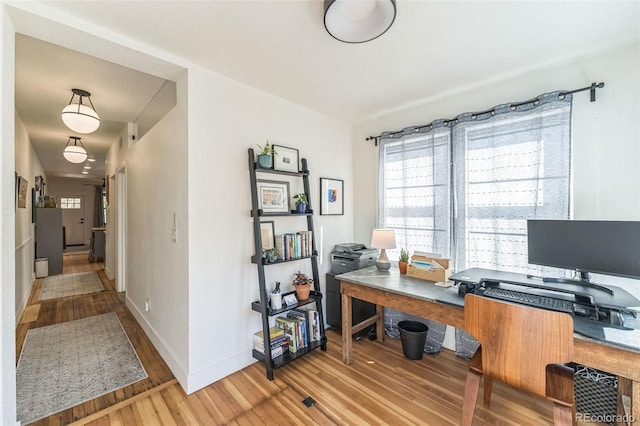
x=294 y=245
x=303 y=326
x=289 y=326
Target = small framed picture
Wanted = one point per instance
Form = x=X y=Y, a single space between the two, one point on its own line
x=267 y=233
x=286 y=159
x=23 y=185
x=273 y=196
x=331 y=196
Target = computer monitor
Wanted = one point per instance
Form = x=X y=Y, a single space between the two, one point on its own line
x=603 y=247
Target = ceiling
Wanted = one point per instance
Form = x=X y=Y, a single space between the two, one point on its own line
x=281 y=47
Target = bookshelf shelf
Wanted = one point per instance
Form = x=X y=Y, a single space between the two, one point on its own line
x=288 y=357
x=315 y=298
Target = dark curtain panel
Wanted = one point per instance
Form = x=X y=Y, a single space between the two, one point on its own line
x=98 y=208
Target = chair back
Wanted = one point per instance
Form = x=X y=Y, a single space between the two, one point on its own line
x=518 y=342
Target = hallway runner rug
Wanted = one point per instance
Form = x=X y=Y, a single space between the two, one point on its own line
x=66 y=364
x=70 y=285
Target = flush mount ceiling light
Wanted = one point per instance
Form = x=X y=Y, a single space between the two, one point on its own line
x=80 y=117
x=358 y=21
x=74 y=153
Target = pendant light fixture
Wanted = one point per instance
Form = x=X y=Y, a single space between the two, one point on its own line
x=80 y=117
x=358 y=21
x=74 y=153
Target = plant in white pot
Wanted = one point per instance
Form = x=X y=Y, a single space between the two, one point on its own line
x=301 y=202
x=265 y=156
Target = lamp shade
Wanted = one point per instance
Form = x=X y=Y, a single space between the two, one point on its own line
x=358 y=21
x=383 y=239
x=79 y=117
x=74 y=153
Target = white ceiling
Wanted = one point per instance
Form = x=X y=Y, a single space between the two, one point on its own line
x=281 y=47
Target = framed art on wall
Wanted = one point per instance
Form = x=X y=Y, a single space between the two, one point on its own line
x=273 y=196
x=286 y=159
x=331 y=196
x=23 y=184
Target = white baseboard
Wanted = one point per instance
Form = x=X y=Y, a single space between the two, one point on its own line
x=166 y=354
x=23 y=303
x=219 y=370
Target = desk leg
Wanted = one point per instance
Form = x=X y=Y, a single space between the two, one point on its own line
x=347 y=357
x=631 y=389
x=380 y=323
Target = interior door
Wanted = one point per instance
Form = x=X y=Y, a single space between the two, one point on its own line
x=73 y=219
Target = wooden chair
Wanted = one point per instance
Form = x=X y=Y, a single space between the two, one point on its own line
x=523 y=347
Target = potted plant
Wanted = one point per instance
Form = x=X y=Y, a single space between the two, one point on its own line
x=403 y=260
x=302 y=284
x=301 y=202
x=265 y=156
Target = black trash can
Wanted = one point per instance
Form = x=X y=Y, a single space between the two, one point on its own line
x=413 y=335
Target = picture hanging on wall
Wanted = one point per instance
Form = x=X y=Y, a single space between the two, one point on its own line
x=23 y=185
x=331 y=196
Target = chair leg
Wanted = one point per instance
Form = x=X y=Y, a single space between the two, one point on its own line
x=471 y=388
x=562 y=415
x=488 y=386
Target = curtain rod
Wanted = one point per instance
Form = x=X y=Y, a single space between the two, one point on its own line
x=514 y=105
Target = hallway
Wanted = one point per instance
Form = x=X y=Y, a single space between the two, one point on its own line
x=44 y=313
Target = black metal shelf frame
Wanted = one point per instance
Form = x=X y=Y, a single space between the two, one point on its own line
x=262 y=305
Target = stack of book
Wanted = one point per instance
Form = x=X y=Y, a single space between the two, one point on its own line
x=279 y=342
x=301 y=326
x=294 y=245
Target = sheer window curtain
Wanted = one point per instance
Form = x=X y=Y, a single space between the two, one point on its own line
x=415 y=202
x=466 y=190
x=509 y=166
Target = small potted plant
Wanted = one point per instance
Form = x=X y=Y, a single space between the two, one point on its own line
x=302 y=284
x=265 y=156
x=301 y=202
x=403 y=261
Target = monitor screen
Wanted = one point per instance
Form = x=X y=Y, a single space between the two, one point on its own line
x=604 y=247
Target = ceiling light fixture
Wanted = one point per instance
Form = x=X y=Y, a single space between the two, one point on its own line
x=358 y=21
x=80 y=117
x=74 y=153
x=91 y=159
x=84 y=172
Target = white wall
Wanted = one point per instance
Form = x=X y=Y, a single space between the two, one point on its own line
x=225 y=119
x=7 y=224
x=28 y=166
x=606 y=136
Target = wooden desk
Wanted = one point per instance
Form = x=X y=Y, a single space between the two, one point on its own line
x=422 y=298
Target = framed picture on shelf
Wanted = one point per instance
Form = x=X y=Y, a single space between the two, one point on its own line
x=331 y=196
x=267 y=232
x=286 y=160
x=273 y=196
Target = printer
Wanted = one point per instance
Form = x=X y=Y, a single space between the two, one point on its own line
x=352 y=256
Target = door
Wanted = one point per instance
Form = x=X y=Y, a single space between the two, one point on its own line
x=73 y=219
x=121 y=230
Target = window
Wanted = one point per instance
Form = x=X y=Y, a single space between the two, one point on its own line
x=70 y=203
x=473 y=186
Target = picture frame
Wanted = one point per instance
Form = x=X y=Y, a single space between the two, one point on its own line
x=273 y=196
x=23 y=185
x=33 y=205
x=286 y=160
x=268 y=234
x=331 y=196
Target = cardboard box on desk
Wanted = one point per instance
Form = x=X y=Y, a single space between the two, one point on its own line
x=440 y=272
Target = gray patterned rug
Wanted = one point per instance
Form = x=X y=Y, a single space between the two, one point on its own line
x=70 y=285
x=66 y=364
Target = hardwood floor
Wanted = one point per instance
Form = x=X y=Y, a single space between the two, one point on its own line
x=55 y=311
x=380 y=387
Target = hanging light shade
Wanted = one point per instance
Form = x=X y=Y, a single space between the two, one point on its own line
x=79 y=117
x=358 y=21
x=74 y=153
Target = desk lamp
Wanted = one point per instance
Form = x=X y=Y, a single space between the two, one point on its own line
x=383 y=239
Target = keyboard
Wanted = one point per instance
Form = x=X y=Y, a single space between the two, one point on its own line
x=543 y=302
